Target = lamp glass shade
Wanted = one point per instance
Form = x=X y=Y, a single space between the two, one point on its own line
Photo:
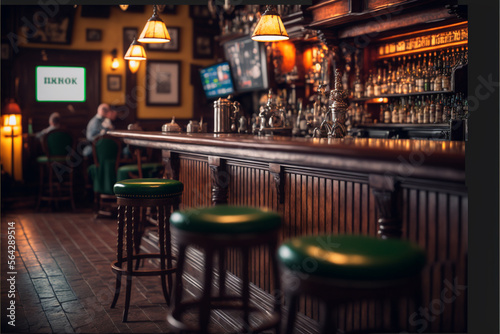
x=11 y=108
x=133 y=65
x=154 y=31
x=270 y=29
x=135 y=52
x=115 y=64
x=124 y=7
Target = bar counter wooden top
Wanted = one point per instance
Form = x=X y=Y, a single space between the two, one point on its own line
x=421 y=158
x=391 y=188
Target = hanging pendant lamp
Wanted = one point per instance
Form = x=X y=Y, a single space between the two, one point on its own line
x=135 y=51
x=155 y=30
x=270 y=27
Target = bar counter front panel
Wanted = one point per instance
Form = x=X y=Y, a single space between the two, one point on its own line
x=339 y=186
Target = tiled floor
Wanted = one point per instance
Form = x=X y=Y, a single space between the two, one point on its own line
x=64 y=283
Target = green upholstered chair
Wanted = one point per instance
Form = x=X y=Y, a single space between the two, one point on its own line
x=214 y=230
x=133 y=195
x=56 y=169
x=106 y=151
x=343 y=268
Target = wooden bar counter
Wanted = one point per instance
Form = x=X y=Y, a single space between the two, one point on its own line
x=413 y=189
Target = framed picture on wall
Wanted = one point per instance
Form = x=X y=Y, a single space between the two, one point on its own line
x=114 y=82
x=56 y=29
x=128 y=37
x=163 y=83
x=203 y=45
x=93 y=35
x=172 y=46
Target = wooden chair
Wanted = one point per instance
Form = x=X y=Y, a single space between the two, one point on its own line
x=57 y=145
x=106 y=151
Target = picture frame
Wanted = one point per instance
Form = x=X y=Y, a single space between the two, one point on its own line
x=93 y=35
x=163 y=83
x=128 y=37
x=168 y=9
x=199 y=12
x=172 y=46
x=114 y=82
x=203 y=45
x=57 y=29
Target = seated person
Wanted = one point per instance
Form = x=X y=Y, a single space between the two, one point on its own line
x=99 y=125
x=54 y=123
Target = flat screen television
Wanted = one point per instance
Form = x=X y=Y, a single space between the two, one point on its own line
x=248 y=64
x=60 y=84
x=217 y=81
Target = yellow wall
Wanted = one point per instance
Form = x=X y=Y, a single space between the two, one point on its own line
x=112 y=30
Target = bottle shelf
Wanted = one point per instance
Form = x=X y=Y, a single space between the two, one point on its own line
x=363 y=99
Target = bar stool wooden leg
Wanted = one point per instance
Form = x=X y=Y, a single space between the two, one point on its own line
x=168 y=248
x=129 y=226
x=161 y=240
x=277 y=282
x=207 y=290
x=222 y=272
x=292 y=312
x=326 y=323
x=178 y=276
x=119 y=255
x=138 y=232
x=245 y=293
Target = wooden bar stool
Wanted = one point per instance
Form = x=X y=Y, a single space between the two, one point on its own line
x=132 y=195
x=214 y=230
x=345 y=268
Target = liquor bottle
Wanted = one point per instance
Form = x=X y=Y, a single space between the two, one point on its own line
x=446 y=111
x=413 y=112
x=369 y=86
x=390 y=85
x=384 y=87
x=358 y=86
x=419 y=80
x=438 y=80
x=432 y=66
x=358 y=115
x=412 y=88
x=381 y=114
x=301 y=118
x=378 y=83
x=445 y=78
x=432 y=111
x=402 y=111
x=405 y=77
x=426 y=112
x=394 y=113
x=420 y=112
x=439 y=109
x=30 y=127
x=387 y=114
x=408 y=111
x=425 y=73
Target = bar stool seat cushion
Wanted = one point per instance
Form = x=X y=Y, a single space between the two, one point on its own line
x=226 y=219
x=148 y=188
x=353 y=257
x=148 y=170
x=44 y=159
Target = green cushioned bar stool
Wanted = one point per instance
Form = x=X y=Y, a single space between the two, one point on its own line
x=345 y=268
x=132 y=195
x=215 y=230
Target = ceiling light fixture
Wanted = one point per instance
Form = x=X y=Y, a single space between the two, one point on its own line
x=270 y=27
x=135 y=51
x=155 y=30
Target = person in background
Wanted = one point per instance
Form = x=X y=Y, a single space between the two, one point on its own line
x=54 y=123
x=99 y=125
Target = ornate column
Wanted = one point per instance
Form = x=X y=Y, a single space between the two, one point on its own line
x=171 y=162
x=386 y=191
x=219 y=178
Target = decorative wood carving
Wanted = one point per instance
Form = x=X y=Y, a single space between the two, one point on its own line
x=279 y=181
x=385 y=189
x=219 y=178
x=171 y=162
